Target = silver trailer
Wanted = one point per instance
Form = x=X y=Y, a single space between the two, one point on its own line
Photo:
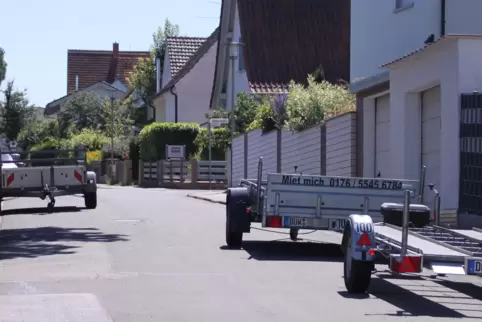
x=63 y=172
x=382 y=220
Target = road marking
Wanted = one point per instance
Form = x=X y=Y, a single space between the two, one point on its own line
x=52 y=307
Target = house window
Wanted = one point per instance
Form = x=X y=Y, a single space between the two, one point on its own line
x=403 y=4
x=241 y=56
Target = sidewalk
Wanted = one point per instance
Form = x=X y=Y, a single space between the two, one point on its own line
x=210 y=196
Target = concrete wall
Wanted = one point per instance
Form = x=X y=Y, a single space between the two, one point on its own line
x=327 y=149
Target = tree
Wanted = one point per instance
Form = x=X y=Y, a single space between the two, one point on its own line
x=15 y=112
x=3 y=65
x=143 y=77
x=84 y=110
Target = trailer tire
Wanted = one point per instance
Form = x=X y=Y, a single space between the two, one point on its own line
x=356 y=274
x=294 y=234
x=237 y=222
x=90 y=199
x=234 y=239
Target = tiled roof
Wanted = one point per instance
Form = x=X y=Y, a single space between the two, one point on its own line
x=93 y=66
x=189 y=65
x=286 y=40
x=180 y=50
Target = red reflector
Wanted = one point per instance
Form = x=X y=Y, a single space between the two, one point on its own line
x=364 y=240
x=78 y=176
x=409 y=264
x=10 y=179
x=273 y=221
x=248 y=211
x=371 y=252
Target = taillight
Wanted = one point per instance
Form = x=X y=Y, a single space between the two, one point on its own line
x=364 y=240
x=273 y=221
x=248 y=211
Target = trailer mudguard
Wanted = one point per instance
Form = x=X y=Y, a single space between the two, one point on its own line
x=237 y=201
x=356 y=227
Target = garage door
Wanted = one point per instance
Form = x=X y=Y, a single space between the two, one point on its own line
x=431 y=127
x=382 y=136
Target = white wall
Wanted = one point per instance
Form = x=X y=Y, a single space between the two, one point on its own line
x=238 y=159
x=454 y=64
x=166 y=70
x=379 y=35
x=194 y=89
x=463 y=17
x=241 y=81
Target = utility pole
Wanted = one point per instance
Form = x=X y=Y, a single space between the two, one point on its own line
x=112 y=98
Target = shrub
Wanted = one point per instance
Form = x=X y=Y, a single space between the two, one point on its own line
x=154 y=138
x=270 y=114
x=219 y=140
x=89 y=139
x=311 y=105
x=38 y=132
x=245 y=110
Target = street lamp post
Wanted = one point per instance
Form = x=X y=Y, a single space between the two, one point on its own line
x=233 y=55
x=112 y=98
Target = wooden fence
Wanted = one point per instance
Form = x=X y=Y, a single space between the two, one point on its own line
x=183 y=174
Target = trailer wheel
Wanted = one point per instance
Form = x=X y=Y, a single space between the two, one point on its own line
x=233 y=238
x=294 y=234
x=357 y=274
x=90 y=199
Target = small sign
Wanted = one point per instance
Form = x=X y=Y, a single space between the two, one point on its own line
x=175 y=152
x=218 y=122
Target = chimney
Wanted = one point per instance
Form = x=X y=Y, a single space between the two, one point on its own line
x=158 y=74
x=115 y=50
x=76 y=82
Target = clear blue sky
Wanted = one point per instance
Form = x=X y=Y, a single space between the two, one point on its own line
x=37 y=34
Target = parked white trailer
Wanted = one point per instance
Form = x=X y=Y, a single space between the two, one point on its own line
x=64 y=176
x=379 y=219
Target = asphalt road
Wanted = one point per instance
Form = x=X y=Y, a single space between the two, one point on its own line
x=156 y=255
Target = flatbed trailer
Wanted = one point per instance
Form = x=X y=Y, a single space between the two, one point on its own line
x=48 y=178
x=380 y=219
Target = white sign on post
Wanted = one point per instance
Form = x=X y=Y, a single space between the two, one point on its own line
x=175 y=152
x=218 y=122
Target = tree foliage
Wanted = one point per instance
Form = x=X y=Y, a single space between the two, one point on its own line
x=313 y=104
x=3 y=65
x=143 y=78
x=15 y=112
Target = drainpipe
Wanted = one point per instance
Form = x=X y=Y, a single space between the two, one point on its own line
x=442 y=17
x=175 y=103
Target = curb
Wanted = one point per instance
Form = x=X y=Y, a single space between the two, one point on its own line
x=206 y=199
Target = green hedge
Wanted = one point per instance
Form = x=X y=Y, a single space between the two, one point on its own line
x=219 y=140
x=154 y=138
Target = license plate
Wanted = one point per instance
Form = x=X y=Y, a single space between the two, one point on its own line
x=337 y=224
x=474 y=266
x=295 y=222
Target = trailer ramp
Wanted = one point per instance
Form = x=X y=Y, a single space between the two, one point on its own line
x=445 y=251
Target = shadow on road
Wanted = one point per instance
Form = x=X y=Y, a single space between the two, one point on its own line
x=410 y=303
x=40 y=210
x=282 y=250
x=468 y=289
x=43 y=241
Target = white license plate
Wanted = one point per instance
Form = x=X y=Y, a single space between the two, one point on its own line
x=474 y=266
x=337 y=224
x=296 y=222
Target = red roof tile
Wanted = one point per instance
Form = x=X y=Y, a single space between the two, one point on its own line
x=286 y=40
x=93 y=66
x=180 y=50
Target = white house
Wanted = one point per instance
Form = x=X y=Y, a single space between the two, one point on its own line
x=411 y=64
x=184 y=90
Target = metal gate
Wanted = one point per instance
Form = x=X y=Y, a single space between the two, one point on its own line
x=470 y=190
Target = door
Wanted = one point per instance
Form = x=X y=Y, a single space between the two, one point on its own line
x=431 y=127
x=382 y=136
